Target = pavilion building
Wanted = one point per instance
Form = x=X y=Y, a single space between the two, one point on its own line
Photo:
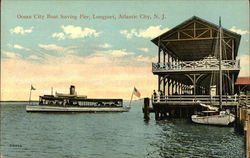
x=188 y=64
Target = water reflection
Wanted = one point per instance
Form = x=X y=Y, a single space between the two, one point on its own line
x=181 y=138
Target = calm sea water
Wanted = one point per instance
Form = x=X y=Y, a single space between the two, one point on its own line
x=111 y=135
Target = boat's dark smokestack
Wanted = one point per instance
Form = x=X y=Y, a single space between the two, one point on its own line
x=72 y=90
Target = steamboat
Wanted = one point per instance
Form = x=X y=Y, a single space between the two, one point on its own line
x=76 y=103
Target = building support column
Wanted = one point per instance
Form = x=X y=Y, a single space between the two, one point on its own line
x=179 y=88
x=173 y=88
x=174 y=63
x=194 y=80
x=164 y=58
x=159 y=82
x=169 y=84
x=164 y=86
x=168 y=61
x=232 y=84
x=171 y=62
x=232 y=49
x=177 y=63
x=159 y=52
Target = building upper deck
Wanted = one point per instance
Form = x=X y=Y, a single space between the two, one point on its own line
x=206 y=65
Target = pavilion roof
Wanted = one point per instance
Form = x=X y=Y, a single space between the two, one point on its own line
x=195 y=39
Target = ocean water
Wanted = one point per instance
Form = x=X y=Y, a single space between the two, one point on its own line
x=111 y=135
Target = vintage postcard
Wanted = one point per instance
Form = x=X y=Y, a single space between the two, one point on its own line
x=124 y=79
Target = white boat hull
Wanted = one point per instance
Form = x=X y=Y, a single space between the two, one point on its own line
x=74 y=109
x=221 y=119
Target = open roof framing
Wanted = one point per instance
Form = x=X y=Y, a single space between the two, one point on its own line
x=195 y=39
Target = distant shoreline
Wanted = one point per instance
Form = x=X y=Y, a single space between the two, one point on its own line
x=18 y=101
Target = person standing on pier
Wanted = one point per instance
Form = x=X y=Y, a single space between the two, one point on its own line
x=154 y=96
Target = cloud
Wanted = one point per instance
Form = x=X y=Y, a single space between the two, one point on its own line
x=21 y=30
x=58 y=49
x=20 y=47
x=239 y=31
x=143 y=49
x=113 y=53
x=33 y=57
x=129 y=34
x=11 y=55
x=50 y=47
x=74 y=32
x=144 y=59
x=88 y=74
x=244 y=65
x=60 y=36
x=120 y=53
x=150 y=32
x=105 y=45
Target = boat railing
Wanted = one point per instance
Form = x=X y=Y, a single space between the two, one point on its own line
x=80 y=102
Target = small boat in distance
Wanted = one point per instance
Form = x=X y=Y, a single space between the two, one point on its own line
x=73 y=103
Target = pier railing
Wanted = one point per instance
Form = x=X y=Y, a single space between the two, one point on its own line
x=191 y=99
x=202 y=65
x=244 y=100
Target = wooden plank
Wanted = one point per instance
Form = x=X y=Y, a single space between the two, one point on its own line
x=247 y=135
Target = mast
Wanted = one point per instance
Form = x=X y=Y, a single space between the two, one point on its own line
x=220 y=59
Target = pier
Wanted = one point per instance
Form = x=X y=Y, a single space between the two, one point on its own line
x=243 y=121
x=188 y=69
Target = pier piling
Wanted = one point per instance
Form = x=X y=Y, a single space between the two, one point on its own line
x=146 y=109
x=248 y=136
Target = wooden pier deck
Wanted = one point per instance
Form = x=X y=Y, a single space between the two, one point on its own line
x=191 y=100
x=189 y=103
x=186 y=105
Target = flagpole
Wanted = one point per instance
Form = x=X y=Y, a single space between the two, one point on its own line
x=30 y=96
x=131 y=98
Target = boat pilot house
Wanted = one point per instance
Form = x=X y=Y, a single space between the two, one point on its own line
x=188 y=64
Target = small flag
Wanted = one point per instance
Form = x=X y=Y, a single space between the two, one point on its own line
x=32 y=88
x=137 y=93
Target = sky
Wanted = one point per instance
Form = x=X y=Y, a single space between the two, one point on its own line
x=85 y=43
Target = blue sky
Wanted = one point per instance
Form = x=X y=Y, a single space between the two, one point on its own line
x=116 y=51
